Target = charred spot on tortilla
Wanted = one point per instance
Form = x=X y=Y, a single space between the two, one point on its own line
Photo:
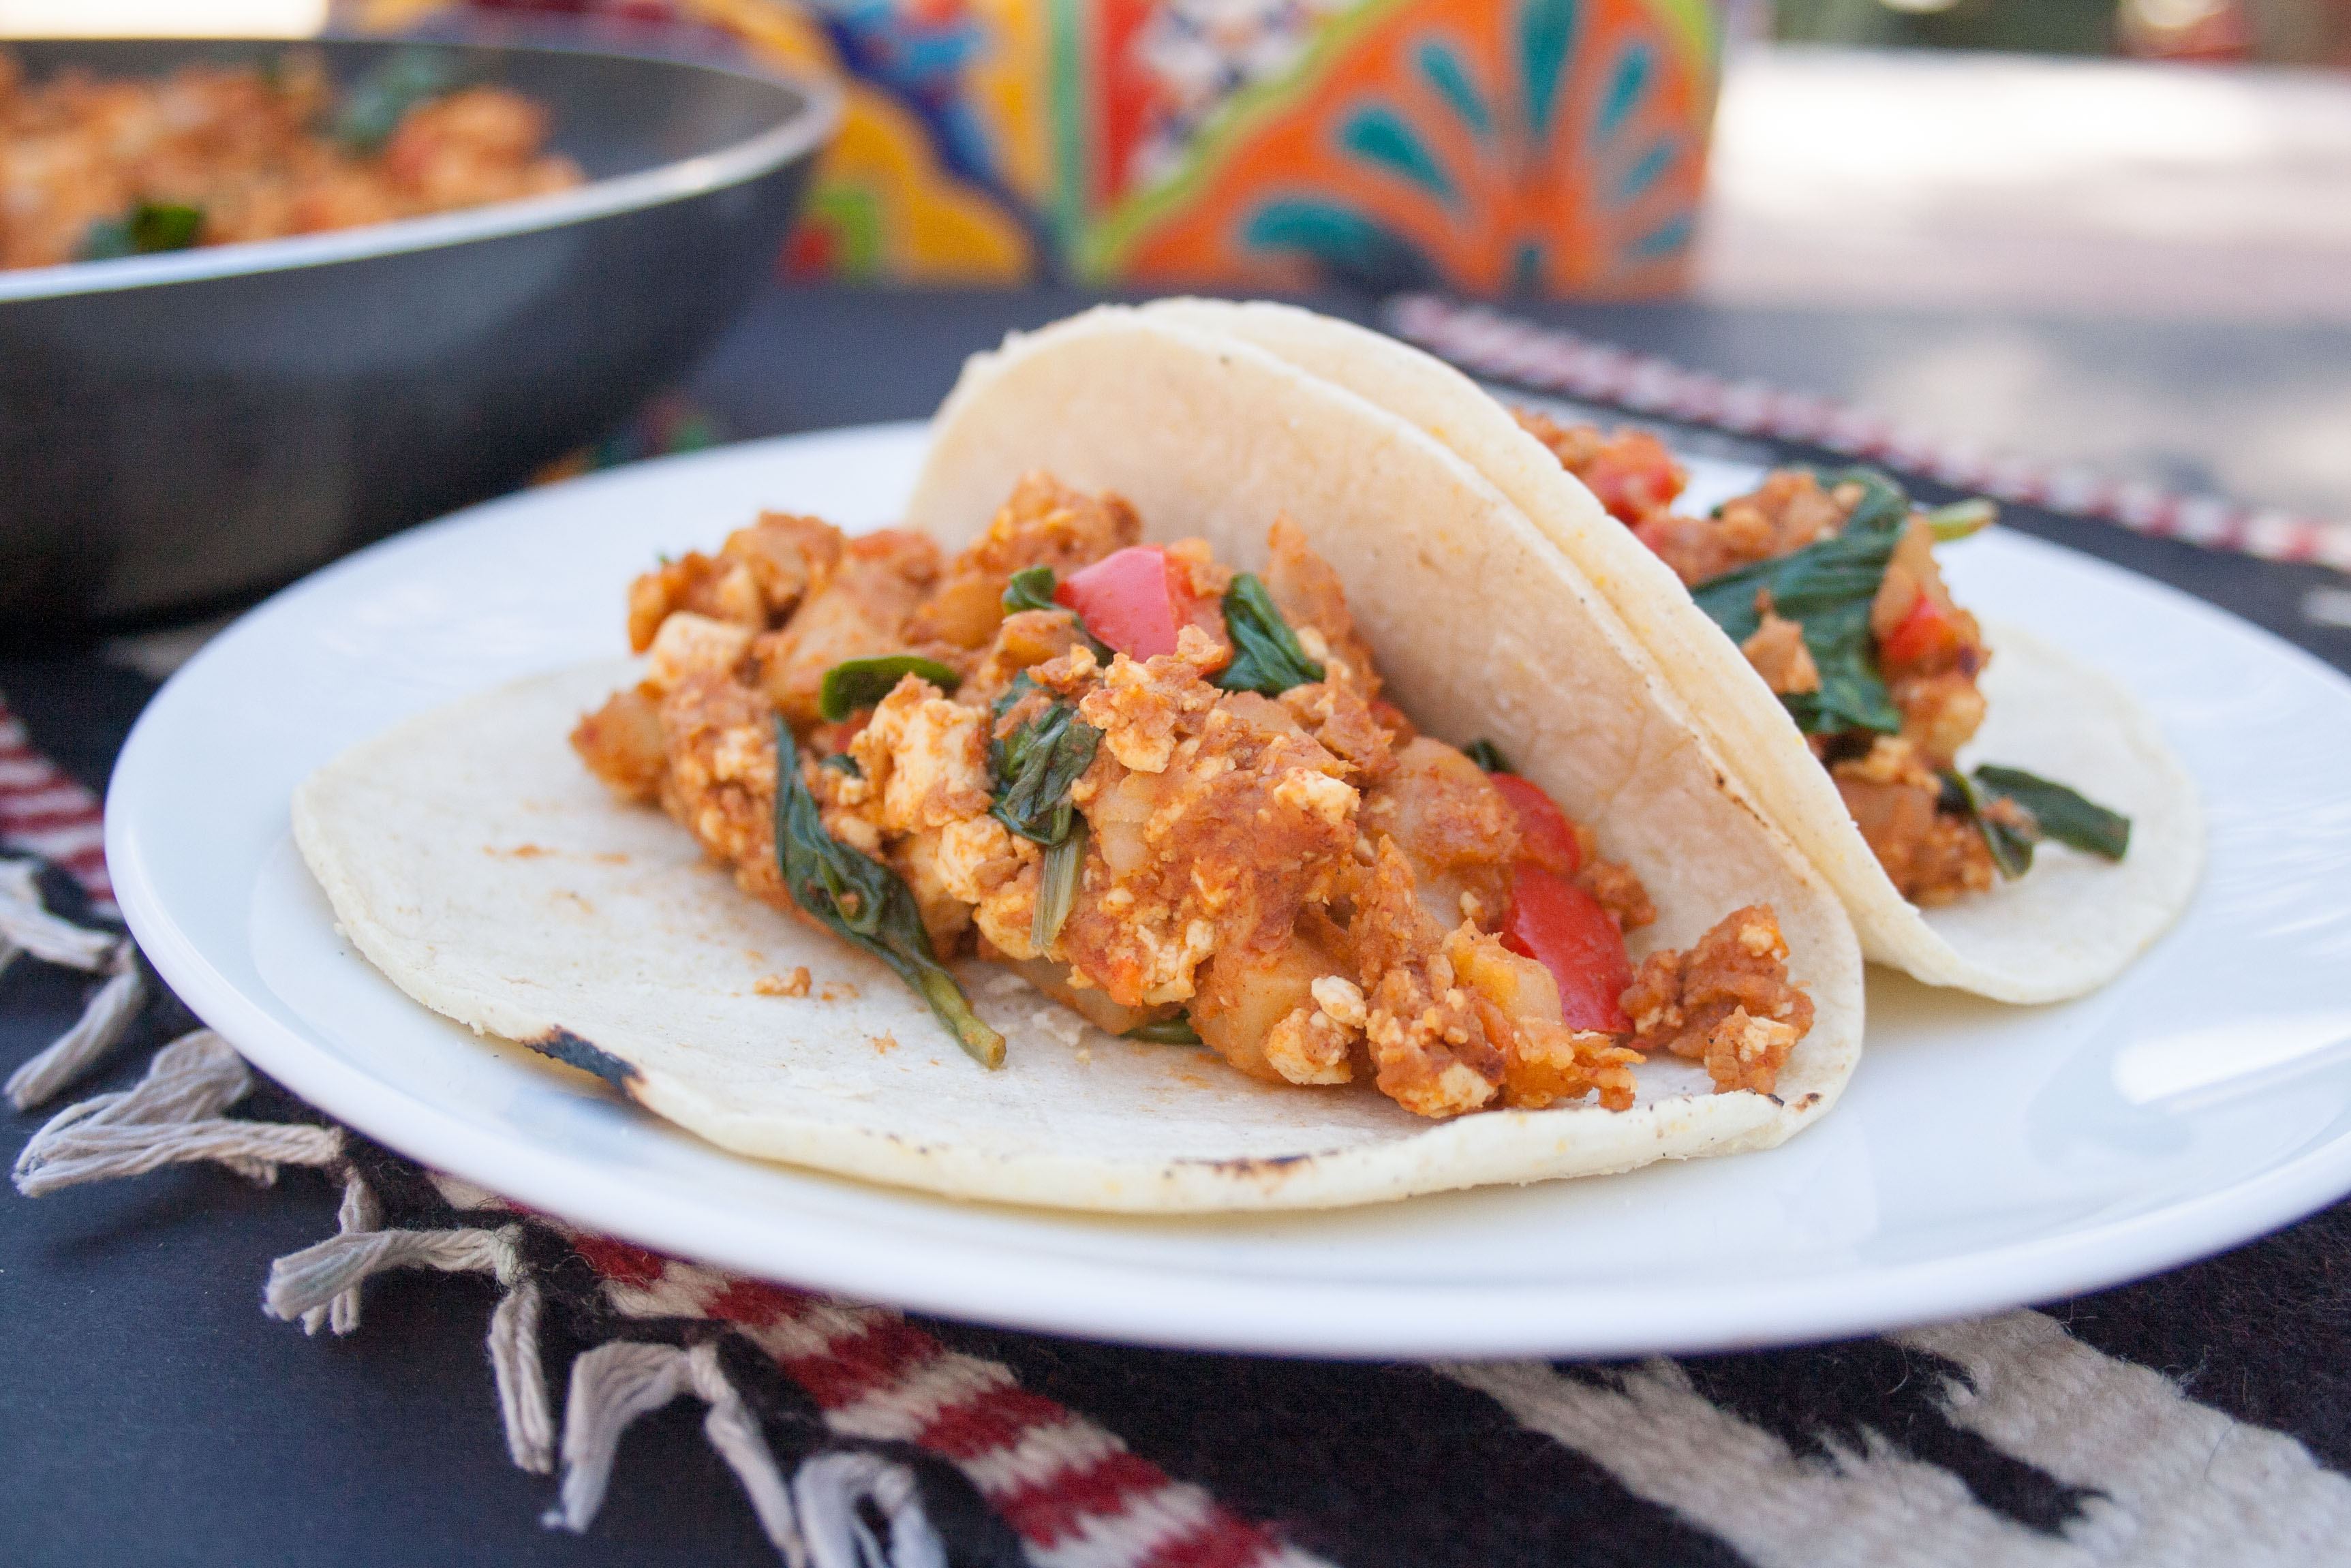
x=573 y=1051
x=1257 y=1164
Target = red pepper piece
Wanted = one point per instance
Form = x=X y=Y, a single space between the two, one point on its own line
x=1924 y=630
x=1565 y=927
x=1545 y=835
x=1632 y=477
x=1131 y=600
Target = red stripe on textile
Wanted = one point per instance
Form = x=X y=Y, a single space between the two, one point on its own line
x=16 y=821
x=997 y=1419
x=18 y=816
x=755 y=1304
x=994 y=1418
x=1221 y=1541
x=620 y=1261
x=1050 y=1512
x=856 y=1365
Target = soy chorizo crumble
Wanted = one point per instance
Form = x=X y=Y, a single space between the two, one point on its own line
x=1928 y=651
x=1315 y=886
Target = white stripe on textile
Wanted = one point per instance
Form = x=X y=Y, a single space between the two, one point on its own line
x=1662 y=1440
x=59 y=843
x=903 y=1409
x=2190 y=1484
x=815 y=1329
x=47 y=797
x=683 y=1290
x=1065 y=1448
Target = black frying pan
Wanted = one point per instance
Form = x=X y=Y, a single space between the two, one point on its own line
x=179 y=431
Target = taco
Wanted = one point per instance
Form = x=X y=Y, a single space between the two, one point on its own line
x=1996 y=816
x=1156 y=763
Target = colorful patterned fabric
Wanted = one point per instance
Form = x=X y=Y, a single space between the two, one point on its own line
x=1546 y=146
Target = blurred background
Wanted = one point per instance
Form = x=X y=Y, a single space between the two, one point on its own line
x=2115 y=233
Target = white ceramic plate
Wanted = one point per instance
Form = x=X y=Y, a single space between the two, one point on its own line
x=1984 y=1155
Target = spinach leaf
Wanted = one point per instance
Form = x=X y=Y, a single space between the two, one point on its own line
x=854 y=684
x=841 y=762
x=1174 y=1030
x=2011 y=847
x=2060 y=814
x=1488 y=756
x=1035 y=765
x=1031 y=588
x=865 y=903
x=1267 y=658
x=373 y=107
x=1829 y=588
x=1058 y=880
x=147 y=229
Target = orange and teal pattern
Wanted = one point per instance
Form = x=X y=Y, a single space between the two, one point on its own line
x=1552 y=147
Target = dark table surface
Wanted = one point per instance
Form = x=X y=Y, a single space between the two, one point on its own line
x=154 y=1416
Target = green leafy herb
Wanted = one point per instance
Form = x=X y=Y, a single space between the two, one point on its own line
x=2060 y=814
x=1961 y=518
x=841 y=762
x=1030 y=588
x=2043 y=809
x=853 y=683
x=1035 y=765
x=1488 y=756
x=2010 y=845
x=1829 y=588
x=148 y=229
x=865 y=903
x=1267 y=658
x=374 y=108
x=1058 y=882
x=1174 y=1030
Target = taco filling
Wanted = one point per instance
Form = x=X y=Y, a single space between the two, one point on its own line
x=1829 y=585
x=1168 y=794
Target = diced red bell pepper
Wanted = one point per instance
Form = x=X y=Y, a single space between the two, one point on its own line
x=1132 y=599
x=1632 y=477
x=1545 y=835
x=1563 y=926
x=1923 y=631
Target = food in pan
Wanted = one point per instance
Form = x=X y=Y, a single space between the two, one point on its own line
x=1997 y=816
x=1183 y=700
x=95 y=169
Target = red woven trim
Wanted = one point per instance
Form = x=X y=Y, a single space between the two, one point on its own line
x=1064 y=1484
x=46 y=812
x=1487 y=343
x=996 y=1419
x=856 y=1365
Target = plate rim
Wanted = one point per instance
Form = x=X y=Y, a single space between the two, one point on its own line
x=1059 y=1293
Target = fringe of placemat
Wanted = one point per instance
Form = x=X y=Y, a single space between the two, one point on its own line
x=28 y=929
x=1488 y=343
x=859 y=1440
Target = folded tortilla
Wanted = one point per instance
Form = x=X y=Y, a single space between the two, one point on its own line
x=2067 y=927
x=471 y=858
